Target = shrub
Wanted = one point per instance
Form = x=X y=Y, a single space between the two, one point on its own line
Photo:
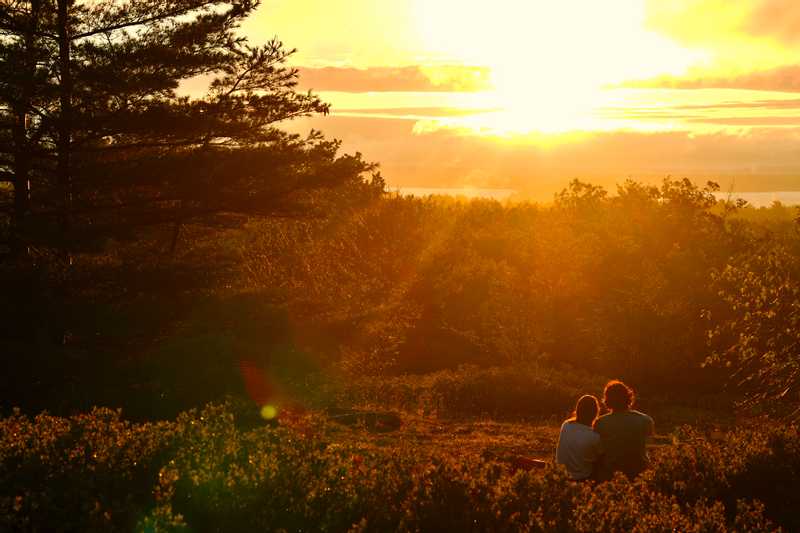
x=202 y=472
x=89 y=472
x=508 y=392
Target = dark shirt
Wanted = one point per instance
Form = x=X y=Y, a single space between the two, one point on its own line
x=623 y=435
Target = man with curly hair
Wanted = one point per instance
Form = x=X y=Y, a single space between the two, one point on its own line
x=623 y=433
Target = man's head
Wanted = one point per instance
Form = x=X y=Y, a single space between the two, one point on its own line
x=617 y=396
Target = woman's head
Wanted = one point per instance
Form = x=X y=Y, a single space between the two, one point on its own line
x=587 y=409
x=617 y=396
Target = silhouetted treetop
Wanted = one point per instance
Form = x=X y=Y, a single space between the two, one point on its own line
x=95 y=136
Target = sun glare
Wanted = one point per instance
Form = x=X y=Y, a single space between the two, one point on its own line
x=549 y=60
x=269 y=412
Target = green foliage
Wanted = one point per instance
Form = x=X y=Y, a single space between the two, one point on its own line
x=760 y=334
x=752 y=463
x=90 y=472
x=201 y=472
x=99 y=144
x=384 y=287
x=612 y=284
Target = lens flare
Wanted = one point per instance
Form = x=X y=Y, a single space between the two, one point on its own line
x=269 y=412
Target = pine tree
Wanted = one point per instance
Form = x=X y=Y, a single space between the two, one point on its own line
x=96 y=141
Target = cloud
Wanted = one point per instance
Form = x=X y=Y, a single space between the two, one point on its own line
x=395 y=79
x=758 y=104
x=753 y=159
x=414 y=78
x=749 y=121
x=698 y=22
x=750 y=44
x=779 y=19
x=785 y=79
x=707 y=22
x=413 y=113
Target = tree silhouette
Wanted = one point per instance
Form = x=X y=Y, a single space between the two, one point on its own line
x=96 y=141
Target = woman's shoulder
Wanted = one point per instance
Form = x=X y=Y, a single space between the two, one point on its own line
x=573 y=426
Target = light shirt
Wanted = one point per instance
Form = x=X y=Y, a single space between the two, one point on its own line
x=578 y=449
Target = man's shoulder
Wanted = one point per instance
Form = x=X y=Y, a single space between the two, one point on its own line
x=644 y=420
x=622 y=418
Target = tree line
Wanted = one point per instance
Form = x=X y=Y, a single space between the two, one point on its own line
x=661 y=285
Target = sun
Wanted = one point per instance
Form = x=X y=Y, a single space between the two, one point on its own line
x=550 y=60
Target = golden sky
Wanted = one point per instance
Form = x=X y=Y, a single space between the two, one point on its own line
x=529 y=93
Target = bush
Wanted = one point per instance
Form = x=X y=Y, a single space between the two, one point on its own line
x=201 y=472
x=89 y=472
x=508 y=392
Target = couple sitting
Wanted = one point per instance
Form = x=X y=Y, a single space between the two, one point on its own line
x=595 y=448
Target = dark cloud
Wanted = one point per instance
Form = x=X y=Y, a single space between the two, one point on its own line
x=785 y=79
x=395 y=79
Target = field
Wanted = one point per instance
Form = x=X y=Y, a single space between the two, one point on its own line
x=220 y=470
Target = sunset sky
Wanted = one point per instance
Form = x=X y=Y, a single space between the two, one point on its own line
x=526 y=94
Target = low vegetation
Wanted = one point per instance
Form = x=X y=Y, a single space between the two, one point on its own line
x=209 y=471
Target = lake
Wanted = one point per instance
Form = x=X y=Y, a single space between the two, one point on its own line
x=763 y=199
x=756 y=199
x=466 y=192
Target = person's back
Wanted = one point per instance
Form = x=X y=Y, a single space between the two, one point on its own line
x=623 y=434
x=578 y=445
x=578 y=449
